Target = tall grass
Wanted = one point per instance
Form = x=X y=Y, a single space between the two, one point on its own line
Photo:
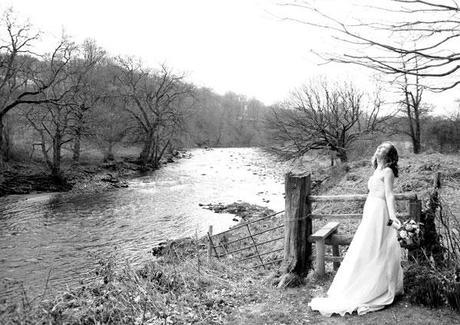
x=179 y=288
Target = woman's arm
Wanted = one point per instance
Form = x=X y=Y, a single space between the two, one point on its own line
x=388 y=179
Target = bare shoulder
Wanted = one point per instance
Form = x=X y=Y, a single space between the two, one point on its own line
x=388 y=172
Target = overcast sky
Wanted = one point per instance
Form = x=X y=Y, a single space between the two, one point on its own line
x=226 y=45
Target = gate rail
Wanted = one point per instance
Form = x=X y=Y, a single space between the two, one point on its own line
x=220 y=242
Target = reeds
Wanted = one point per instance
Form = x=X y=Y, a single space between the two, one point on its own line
x=180 y=288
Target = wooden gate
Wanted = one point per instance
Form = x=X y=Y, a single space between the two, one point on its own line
x=225 y=244
x=299 y=234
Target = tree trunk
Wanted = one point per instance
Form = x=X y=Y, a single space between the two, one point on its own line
x=416 y=145
x=108 y=156
x=416 y=140
x=2 y=140
x=2 y=152
x=342 y=155
x=146 y=150
x=77 y=142
x=56 y=169
x=441 y=144
x=44 y=151
x=154 y=153
x=7 y=140
x=160 y=155
x=415 y=132
x=153 y=156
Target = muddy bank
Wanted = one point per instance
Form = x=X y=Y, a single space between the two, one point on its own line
x=15 y=182
x=21 y=178
x=242 y=211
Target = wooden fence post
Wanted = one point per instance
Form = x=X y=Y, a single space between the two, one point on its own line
x=418 y=210
x=210 y=244
x=320 y=252
x=415 y=208
x=298 y=227
x=336 y=253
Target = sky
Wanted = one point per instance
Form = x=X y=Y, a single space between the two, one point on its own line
x=227 y=45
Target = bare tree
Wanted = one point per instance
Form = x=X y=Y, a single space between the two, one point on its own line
x=226 y=120
x=108 y=124
x=88 y=83
x=53 y=118
x=154 y=99
x=416 y=50
x=426 y=31
x=411 y=106
x=52 y=123
x=323 y=117
x=24 y=75
x=205 y=125
x=443 y=132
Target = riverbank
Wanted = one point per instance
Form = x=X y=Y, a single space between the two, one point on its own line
x=179 y=285
x=92 y=176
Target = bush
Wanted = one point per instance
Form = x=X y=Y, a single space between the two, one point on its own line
x=427 y=286
x=453 y=295
x=423 y=287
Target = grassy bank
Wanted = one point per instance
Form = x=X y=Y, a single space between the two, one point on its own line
x=182 y=288
x=179 y=285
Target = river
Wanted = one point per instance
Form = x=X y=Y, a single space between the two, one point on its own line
x=62 y=236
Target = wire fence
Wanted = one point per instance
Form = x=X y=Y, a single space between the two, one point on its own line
x=249 y=243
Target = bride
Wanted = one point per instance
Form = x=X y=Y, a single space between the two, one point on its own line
x=370 y=275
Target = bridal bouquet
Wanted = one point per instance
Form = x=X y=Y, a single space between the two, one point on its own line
x=410 y=234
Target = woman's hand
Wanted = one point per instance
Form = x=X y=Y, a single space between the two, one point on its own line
x=395 y=223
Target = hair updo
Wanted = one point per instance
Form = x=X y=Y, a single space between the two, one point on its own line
x=390 y=158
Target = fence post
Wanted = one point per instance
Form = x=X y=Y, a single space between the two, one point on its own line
x=415 y=208
x=298 y=227
x=336 y=253
x=320 y=252
x=210 y=244
x=418 y=210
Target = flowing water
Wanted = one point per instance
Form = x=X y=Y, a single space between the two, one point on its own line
x=61 y=236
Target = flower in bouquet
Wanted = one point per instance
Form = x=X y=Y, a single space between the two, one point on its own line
x=410 y=234
x=403 y=234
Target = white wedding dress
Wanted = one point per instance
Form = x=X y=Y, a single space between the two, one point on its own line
x=370 y=275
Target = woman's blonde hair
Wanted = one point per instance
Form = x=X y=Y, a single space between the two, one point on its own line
x=389 y=160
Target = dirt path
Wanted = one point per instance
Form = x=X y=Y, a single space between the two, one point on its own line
x=290 y=307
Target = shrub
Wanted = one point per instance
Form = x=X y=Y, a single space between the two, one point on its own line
x=423 y=286
x=453 y=295
x=431 y=287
